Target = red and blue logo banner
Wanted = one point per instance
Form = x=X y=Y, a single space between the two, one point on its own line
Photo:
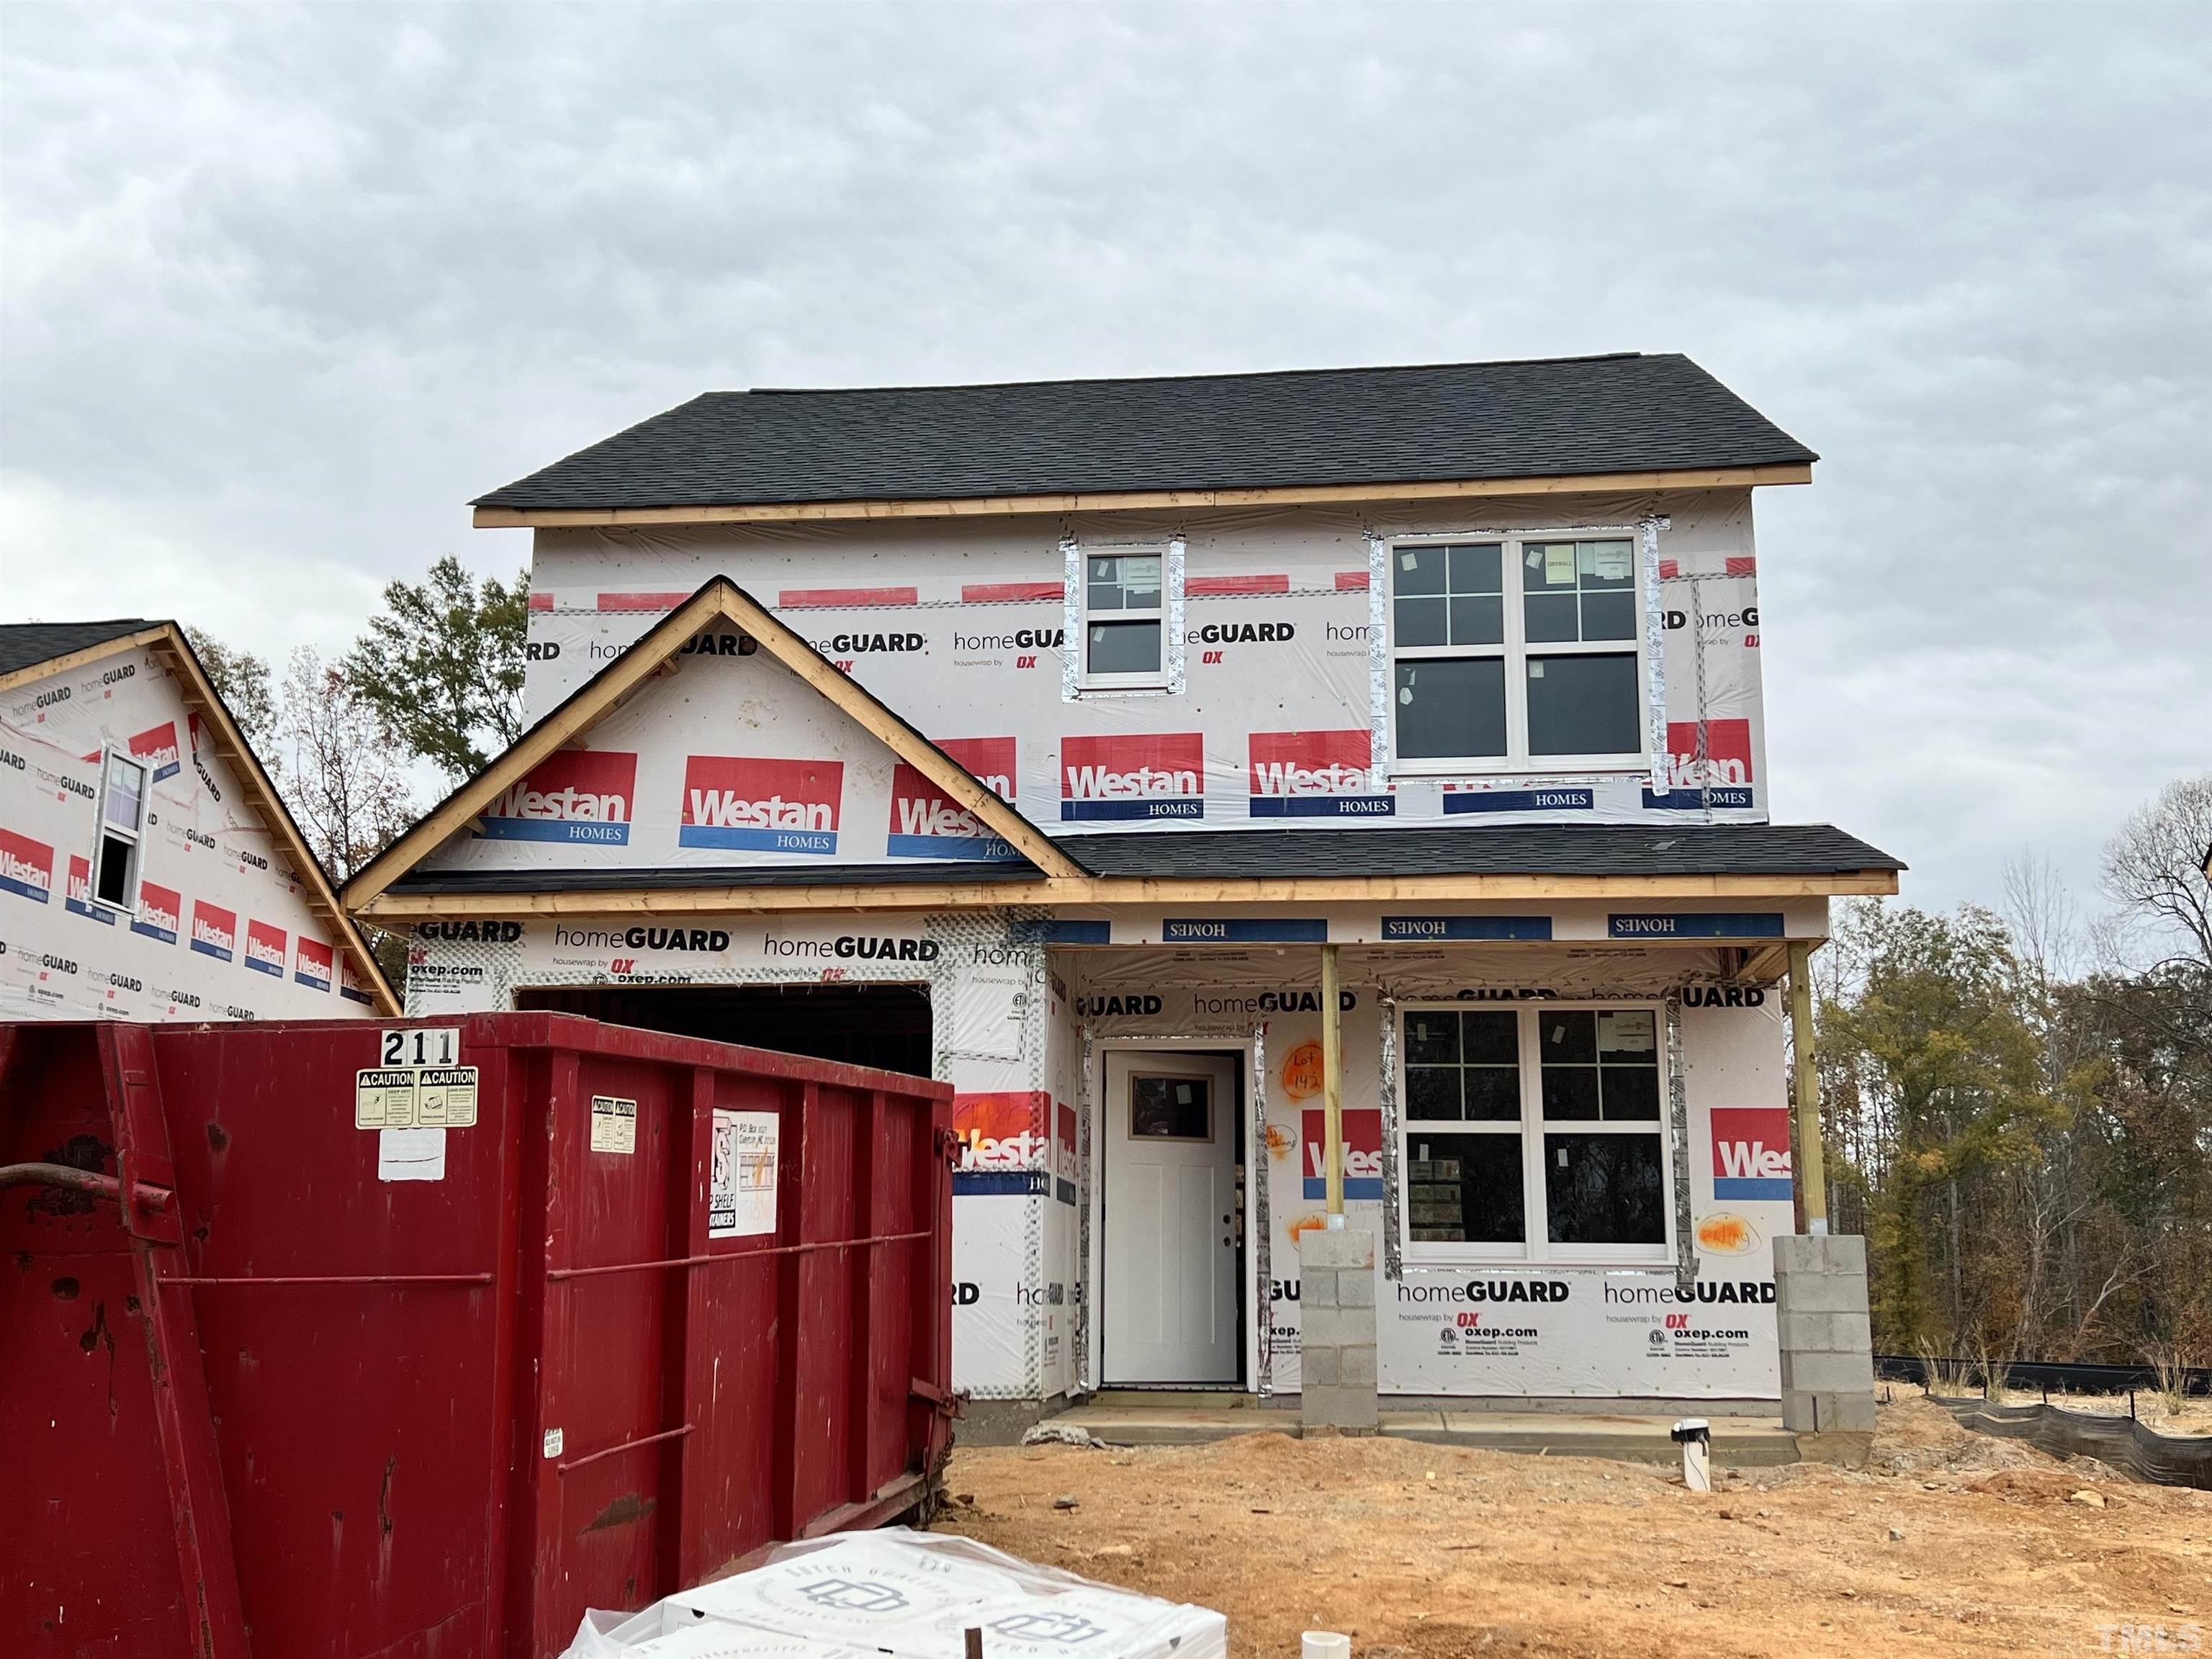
x=1159 y=774
x=156 y=747
x=215 y=931
x=1363 y=1152
x=576 y=795
x=265 y=949
x=1313 y=774
x=761 y=805
x=161 y=913
x=27 y=867
x=1751 y=1152
x=1723 y=778
x=79 y=896
x=925 y=825
x=311 y=963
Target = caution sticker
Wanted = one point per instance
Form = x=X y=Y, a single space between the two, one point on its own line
x=386 y=1100
x=446 y=1096
x=614 y=1124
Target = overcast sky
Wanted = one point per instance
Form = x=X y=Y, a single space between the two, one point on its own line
x=284 y=288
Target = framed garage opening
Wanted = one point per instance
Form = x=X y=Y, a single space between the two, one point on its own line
x=886 y=1026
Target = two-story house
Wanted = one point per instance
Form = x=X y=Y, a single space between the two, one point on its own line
x=1183 y=767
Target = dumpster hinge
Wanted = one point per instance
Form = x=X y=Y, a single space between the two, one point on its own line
x=943 y=1402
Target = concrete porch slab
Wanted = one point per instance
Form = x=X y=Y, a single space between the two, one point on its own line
x=1134 y=1417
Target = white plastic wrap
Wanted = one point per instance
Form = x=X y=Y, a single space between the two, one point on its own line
x=903 y=1593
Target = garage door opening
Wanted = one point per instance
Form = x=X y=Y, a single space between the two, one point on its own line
x=882 y=1025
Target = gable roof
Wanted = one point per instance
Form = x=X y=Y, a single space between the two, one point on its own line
x=1588 y=418
x=718 y=599
x=67 y=645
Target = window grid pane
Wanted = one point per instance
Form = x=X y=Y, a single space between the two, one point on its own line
x=1463 y=1066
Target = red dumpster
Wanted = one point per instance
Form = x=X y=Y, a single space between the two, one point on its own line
x=320 y=1339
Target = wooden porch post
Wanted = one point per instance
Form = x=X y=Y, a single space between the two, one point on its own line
x=1812 y=1166
x=1332 y=1074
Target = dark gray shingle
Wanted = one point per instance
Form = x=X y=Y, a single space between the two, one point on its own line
x=26 y=645
x=1627 y=413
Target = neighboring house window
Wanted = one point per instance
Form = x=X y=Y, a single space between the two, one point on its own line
x=1125 y=618
x=1516 y=652
x=121 y=821
x=1533 y=1133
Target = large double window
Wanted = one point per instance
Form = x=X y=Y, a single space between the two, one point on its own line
x=1533 y=1133
x=1516 y=654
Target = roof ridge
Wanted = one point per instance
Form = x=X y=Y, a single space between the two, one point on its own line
x=1173 y=379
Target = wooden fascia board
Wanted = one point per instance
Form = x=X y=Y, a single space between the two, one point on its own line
x=720 y=600
x=1132 y=500
x=895 y=734
x=955 y=895
x=200 y=692
x=74 y=660
x=547 y=737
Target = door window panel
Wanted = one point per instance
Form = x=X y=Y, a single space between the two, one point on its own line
x=1170 y=1109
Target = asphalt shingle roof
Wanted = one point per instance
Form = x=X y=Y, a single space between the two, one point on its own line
x=1548 y=418
x=1745 y=849
x=1547 y=849
x=26 y=645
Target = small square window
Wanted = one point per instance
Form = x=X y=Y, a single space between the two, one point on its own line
x=1170 y=1109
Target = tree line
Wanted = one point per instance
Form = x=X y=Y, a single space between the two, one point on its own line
x=2017 y=1106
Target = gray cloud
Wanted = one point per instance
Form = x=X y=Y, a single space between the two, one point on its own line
x=284 y=288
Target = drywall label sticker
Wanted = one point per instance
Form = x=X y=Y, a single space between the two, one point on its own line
x=410 y=1155
x=741 y=1197
x=446 y=1096
x=614 y=1124
x=553 y=1443
x=384 y=1100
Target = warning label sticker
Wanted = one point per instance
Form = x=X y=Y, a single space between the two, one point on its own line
x=386 y=1100
x=446 y=1096
x=614 y=1124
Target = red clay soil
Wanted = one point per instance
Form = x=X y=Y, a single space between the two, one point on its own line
x=1425 y=1553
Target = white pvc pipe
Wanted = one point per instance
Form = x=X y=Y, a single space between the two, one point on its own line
x=1325 y=1644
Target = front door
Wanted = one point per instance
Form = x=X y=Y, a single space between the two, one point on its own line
x=1171 y=1221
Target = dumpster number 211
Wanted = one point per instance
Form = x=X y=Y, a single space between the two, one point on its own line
x=433 y=1045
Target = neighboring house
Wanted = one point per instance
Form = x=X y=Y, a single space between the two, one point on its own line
x=148 y=869
x=1067 y=740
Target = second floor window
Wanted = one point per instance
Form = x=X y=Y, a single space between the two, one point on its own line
x=1124 y=619
x=122 y=822
x=1516 y=654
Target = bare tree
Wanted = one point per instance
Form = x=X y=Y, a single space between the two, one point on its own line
x=344 y=777
x=2154 y=871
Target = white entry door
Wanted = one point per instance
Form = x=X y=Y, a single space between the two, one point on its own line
x=1170 y=1223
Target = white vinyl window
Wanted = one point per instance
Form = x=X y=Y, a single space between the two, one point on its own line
x=1517 y=654
x=122 y=824
x=1533 y=1133
x=1125 y=620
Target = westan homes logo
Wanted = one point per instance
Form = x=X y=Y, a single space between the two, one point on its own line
x=1301 y=775
x=1751 y=1152
x=1363 y=1152
x=161 y=911
x=1724 y=776
x=350 y=982
x=311 y=963
x=578 y=795
x=265 y=949
x=1149 y=775
x=215 y=931
x=27 y=867
x=761 y=805
x=79 y=897
x=157 y=747
x=927 y=825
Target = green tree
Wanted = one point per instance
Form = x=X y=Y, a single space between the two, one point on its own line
x=242 y=680
x=441 y=666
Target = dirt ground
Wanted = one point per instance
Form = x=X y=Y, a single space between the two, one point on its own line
x=1425 y=1553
